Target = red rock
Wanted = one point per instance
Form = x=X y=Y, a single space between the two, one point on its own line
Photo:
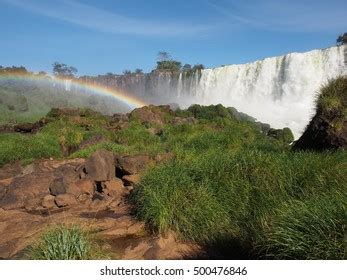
x=130 y=180
x=81 y=187
x=114 y=188
x=133 y=164
x=24 y=188
x=100 y=166
x=48 y=202
x=66 y=199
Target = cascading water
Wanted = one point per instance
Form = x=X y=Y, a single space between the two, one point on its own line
x=278 y=90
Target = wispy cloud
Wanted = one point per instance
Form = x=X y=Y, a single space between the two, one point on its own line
x=285 y=15
x=97 y=19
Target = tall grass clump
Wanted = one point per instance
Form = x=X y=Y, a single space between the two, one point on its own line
x=64 y=243
x=311 y=229
x=332 y=100
x=259 y=198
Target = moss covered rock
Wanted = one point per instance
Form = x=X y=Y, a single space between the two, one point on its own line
x=328 y=128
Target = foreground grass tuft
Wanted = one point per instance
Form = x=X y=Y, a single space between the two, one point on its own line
x=64 y=243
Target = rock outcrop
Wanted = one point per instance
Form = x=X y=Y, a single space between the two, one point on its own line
x=152 y=115
x=100 y=166
x=328 y=128
x=39 y=196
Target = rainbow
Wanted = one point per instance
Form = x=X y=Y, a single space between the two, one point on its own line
x=121 y=96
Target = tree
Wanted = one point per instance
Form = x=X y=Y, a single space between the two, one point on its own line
x=42 y=74
x=198 y=67
x=163 y=56
x=109 y=75
x=342 y=39
x=169 y=65
x=126 y=72
x=138 y=71
x=14 y=70
x=62 y=70
x=187 y=67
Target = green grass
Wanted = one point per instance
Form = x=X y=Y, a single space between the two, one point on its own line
x=251 y=196
x=332 y=100
x=226 y=183
x=65 y=243
x=15 y=147
x=109 y=146
x=311 y=229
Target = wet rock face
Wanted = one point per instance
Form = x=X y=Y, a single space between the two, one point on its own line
x=100 y=166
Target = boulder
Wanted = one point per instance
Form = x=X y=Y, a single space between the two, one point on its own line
x=151 y=115
x=32 y=203
x=81 y=187
x=101 y=166
x=25 y=188
x=128 y=165
x=66 y=199
x=114 y=188
x=68 y=172
x=48 y=202
x=131 y=180
x=58 y=186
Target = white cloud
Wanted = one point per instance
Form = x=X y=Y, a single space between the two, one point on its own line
x=105 y=21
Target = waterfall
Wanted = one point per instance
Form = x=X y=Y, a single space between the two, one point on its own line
x=67 y=84
x=279 y=90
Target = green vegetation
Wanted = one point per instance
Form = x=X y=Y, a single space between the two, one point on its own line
x=232 y=181
x=64 y=71
x=342 y=39
x=65 y=243
x=332 y=102
x=278 y=204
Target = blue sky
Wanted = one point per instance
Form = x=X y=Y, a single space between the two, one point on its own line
x=112 y=35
